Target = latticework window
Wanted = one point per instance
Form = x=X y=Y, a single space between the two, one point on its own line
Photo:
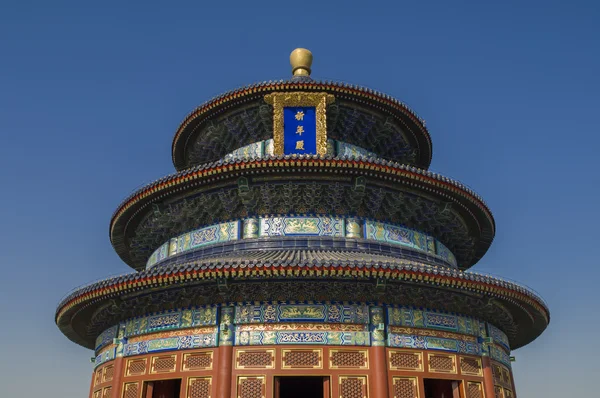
x=255 y=359
x=130 y=390
x=197 y=361
x=251 y=387
x=406 y=360
x=470 y=366
x=199 y=387
x=405 y=387
x=163 y=364
x=301 y=359
x=353 y=387
x=348 y=359
x=441 y=363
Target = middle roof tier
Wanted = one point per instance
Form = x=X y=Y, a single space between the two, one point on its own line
x=368 y=189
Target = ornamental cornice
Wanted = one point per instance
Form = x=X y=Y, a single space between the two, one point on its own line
x=290 y=163
x=181 y=275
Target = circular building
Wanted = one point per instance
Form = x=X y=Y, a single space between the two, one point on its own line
x=302 y=249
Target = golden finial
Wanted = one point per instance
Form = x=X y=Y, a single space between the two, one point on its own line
x=301 y=60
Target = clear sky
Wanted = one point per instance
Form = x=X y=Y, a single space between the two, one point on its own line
x=91 y=94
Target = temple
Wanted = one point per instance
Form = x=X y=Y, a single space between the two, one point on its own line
x=302 y=249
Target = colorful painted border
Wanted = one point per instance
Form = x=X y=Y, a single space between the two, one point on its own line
x=263 y=227
x=328 y=313
x=418 y=318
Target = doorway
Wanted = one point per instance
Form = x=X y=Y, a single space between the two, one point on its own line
x=438 y=388
x=163 y=388
x=301 y=387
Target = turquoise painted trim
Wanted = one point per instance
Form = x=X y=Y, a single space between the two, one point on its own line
x=106 y=356
x=301 y=226
x=265 y=324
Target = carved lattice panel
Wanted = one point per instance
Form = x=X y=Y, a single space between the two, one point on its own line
x=130 y=390
x=256 y=359
x=442 y=363
x=353 y=387
x=136 y=367
x=251 y=387
x=108 y=373
x=346 y=359
x=98 y=377
x=405 y=387
x=470 y=366
x=163 y=364
x=198 y=387
x=506 y=376
x=197 y=361
x=474 y=390
x=508 y=393
x=307 y=359
x=497 y=372
x=97 y=394
x=498 y=392
x=106 y=392
x=405 y=360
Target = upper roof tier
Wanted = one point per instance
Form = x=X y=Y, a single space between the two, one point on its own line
x=359 y=116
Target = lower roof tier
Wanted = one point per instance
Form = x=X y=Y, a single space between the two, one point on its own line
x=302 y=186
x=302 y=275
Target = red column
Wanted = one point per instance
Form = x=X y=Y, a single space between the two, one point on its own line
x=224 y=371
x=117 y=377
x=93 y=383
x=380 y=379
x=378 y=358
x=488 y=377
x=225 y=352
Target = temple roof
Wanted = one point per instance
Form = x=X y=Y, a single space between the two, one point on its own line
x=397 y=193
x=319 y=275
x=359 y=116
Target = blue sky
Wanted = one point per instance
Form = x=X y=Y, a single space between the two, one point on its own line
x=91 y=95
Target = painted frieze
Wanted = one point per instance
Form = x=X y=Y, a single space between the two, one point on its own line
x=396 y=235
x=499 y=355
x=194 y=338
x=262 y=227
x=425 y=339
x=406 y=316
x=171 y=320
x=328 y=313
x=498 y=336
x=105 y=356
x=299 y=226
x=299 y=333
x=106 y=337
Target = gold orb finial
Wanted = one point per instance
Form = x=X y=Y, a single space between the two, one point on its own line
x=301 y=61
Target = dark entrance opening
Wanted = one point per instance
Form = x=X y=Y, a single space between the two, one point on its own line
x=163 y=389
x=437 y=388
x=301 y=387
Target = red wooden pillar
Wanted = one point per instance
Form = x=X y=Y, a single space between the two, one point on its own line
x=117 y=378
x=93 y=383
x=488 y=377
x=225 y=353
x=380 y=380
x=378 y=359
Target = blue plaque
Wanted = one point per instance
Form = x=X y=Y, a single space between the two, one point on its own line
x=299 y=130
